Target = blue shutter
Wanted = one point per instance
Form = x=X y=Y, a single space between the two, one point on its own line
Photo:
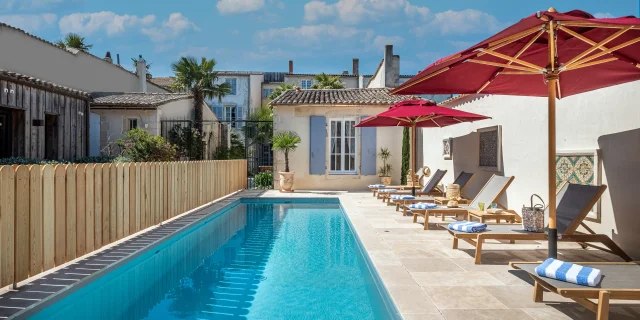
x=368 y=156
x=317 y=145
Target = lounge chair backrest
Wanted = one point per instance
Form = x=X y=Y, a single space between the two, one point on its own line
x=463 y=179
x=492 y=191
x=573 y=203
x=434 y=181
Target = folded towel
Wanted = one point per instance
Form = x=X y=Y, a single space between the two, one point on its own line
x=377 y=186
x=402 y=197
x=467 y=226
x=423 y=206
x=387 y=190
x=569 y=272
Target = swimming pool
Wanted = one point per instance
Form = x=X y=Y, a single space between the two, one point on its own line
x=257 y=259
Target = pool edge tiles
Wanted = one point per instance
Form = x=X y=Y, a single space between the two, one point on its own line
x=209 y=213
x=104 y=261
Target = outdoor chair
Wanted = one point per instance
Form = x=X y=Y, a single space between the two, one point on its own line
x=374 y=189
x=490 y=193
x=573 y=204
x=620 y=280
x=463 y=180
x=430 y=188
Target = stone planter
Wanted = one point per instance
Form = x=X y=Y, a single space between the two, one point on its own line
x=286 y=181
x=385 y=180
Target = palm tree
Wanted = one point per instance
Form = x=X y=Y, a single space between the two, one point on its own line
x=135 y=64
x=74 y=40
x=198 y=78
x=279 y=90
x=286 y=141
x=325 y=81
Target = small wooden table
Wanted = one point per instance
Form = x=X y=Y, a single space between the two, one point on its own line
x=444 y=201
x=507 y=215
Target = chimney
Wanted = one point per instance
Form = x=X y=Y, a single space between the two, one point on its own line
x=107 y=57
x=141 y=71
x=118 y=58
x=345 y=72
x=388 y=66
x=290 y=66
x=396 y=70
x=356 y=66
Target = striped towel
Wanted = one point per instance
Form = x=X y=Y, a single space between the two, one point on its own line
x=423 y=206
x=377 y=186
x=402 y=197
x=569 y=272
x=387 y=190
x=467 y=226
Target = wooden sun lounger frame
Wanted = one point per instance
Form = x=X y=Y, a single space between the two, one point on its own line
x=403 y=187
x=439 y=200
x=570 y=235
x=386 y=196
x=581 y=295
x=456 y=212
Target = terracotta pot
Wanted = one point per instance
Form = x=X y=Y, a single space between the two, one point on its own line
x=385 y=180
x=286 y=181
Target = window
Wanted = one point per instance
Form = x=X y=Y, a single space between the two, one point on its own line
x=342 y=146
x=306 y=84
x=132 y=124
x=232 y=83
x=231 y=114
x=266 y=92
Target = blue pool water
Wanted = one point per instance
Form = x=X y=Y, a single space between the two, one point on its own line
x=255 y=260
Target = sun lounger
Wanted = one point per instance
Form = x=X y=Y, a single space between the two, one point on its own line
x=463 y=180
x=490 y=193
x=574 y=202
x=430 y=188
x=620 y=280
x=374 y=188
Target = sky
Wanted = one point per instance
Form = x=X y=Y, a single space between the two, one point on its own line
x=263 y=35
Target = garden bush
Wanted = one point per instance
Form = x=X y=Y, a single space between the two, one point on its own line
x=26 y=161
x=141 y=146
x=263 y=180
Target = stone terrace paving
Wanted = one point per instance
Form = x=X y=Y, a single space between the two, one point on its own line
x=429 y=280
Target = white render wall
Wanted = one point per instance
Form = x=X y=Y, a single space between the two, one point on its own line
x=240 y=99
x=606 y=119
x=29 y=56
x=255 y=91
x=297 y=119
x=112 y=123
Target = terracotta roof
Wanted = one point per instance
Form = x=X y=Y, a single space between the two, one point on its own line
x=9 y=75
x=164 y=82
x=135 y=99
x=70 y=51
x=368 y=96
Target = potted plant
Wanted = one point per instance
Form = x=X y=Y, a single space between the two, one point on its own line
x=385 y=170
x=286 y=141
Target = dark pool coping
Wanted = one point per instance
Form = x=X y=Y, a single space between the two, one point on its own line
x=34 y=296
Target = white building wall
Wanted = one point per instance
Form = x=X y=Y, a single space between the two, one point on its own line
x=241 y=99
x=297 y=119
x=377 y=81
x=112 y=123
x=255 y=91
x=24 y=54
x=606 y=119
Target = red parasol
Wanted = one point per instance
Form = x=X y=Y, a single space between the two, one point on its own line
x=418 y=113
x=548 y=54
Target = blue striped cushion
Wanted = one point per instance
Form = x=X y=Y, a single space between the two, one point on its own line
x=377 y=186
x=402 y=197
x=467 y=226
x=423 y=206
x=569 y=272
x=387 y=190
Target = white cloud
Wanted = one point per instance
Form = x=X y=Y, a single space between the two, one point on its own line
x=381 y=41
x=170 y=28
x=239 y=6
x=603 y=15
x=111 y=23
x=30 y=22
x=316 y=34
x=460 y=22
x=358 y=11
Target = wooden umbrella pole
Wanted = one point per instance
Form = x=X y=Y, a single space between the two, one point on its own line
x=413 y=157
x=552 y=78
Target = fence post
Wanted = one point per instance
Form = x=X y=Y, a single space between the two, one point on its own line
x=60 y=213
x=81 y=214
x=35 y=219
x=90 y=208
x=22 y=224
x=48 y=206
x=7 y=223
x=71 y=212
x=125 y=200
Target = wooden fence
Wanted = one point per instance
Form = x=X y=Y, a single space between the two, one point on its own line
x=52 y=214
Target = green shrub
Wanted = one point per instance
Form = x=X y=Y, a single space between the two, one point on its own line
x=26 y=161
x=406 y=150
x=141 y=146
x=263 y=180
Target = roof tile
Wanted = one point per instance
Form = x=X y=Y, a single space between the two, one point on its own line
x=135 y=99
x=40 y=83
x=369 y=96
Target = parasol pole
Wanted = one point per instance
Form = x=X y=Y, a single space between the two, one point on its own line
x=552 y=79
x=413 y=157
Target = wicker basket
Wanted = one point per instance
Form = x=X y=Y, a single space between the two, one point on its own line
x=453 y=191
